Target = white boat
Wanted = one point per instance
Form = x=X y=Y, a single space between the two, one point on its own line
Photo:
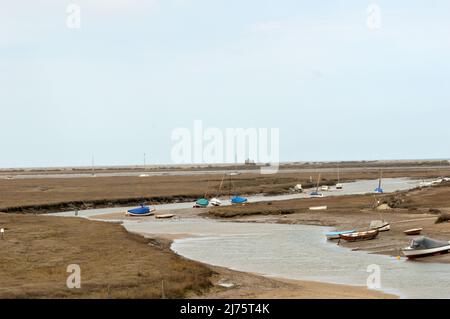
x=380 y=225
x=298 y=188
x=424 y=246
x=143 y=175
x=325 y=188
x=339 y=186
x=215 y=202
x=164 y=216
x=318 y=208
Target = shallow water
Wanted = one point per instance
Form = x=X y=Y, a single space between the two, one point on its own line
x=352 y=188
x=296 y=252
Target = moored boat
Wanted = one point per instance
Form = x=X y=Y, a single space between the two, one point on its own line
x=216 y=202
x=358 y=236
x=315 y=194
x=379 y=225
x=413 y=231
x=163 y=216
x=379 y=190
x=202 y=202
x=318 y=208
x=238 y=200
x=424 y=246
x=335 y=234
x=141 y=211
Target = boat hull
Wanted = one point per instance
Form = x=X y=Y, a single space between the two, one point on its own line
x=413 y=232
x=417 y=253
x=143 y=211
x=360 y=236
x=335 y=235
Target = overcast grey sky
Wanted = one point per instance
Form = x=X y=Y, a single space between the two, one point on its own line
x=136 y=70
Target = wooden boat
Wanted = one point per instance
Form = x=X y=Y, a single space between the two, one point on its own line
x=335 y=234
x=379 y=225
x=413 y=231
x=358 y=236
x=141 y=211
x=164 y=216
x=424 y=246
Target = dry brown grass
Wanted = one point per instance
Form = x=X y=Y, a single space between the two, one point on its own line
x=55 y=194
x=114 y=264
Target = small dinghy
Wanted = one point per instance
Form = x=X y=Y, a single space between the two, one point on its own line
x=162 y=216
x=238 y=200
x=216 y=202
x=202 y=202
x=379 y=225
x=358 y=236
x=424 y=246
x=141 y=211
x=413 y=231
x=335 y=234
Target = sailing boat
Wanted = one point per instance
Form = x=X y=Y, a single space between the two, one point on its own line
x=236 y=199
x=379 y=189
x=316 y=192
x=215 y=201
x=202 y=202
x=339 y=185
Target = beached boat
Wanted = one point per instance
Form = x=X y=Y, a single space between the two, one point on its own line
x=339 y=185
x=335 y=234
x=424 y=246
x=379 y=189
x=141 y=211
x=164 y=216
x=379 y=225
x=316 y=193
x=318 y=208
x=238 y=200
x=216 y=202
x=325 y=188
x=413 y=231
x=358 y=236
x=298 y=188
x=202 y=202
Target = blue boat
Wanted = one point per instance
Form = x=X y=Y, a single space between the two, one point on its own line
x=238 y=200
x=379 y=189
x=335 y=234
x=141 y=211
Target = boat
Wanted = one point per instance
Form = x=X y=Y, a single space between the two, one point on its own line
x=358 y=236
x=325 y=188
x=216 y=202
x=379 y=189
x=202 y=202
x=316 y=193
x=141 y=211
x=424 y=246
x=318 y=208
x=298 y=188
x=238 y=200
x=162 y=216
x=335 y=234
x=379 y=225
x=413 y=231
x=144 y=175
x=339 y=185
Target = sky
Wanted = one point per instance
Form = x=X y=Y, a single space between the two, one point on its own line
x=336 y=85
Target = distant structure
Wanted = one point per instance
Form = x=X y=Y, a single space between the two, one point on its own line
x=249 y=162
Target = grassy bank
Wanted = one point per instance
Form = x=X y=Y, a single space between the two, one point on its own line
x=36 y=251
